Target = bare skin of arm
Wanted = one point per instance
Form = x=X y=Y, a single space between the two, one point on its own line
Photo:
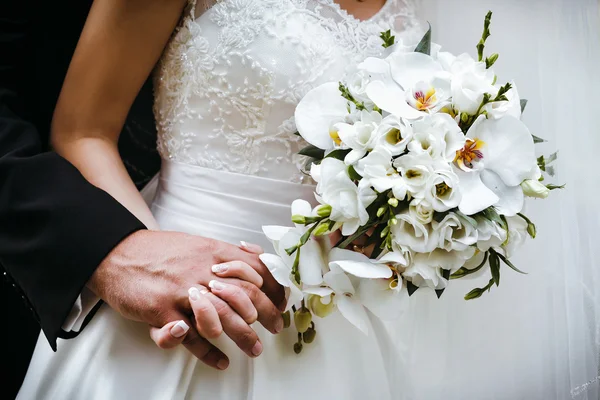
x=147 y=277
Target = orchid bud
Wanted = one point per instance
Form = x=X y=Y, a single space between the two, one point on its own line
x=302 y=320
x=324 y=210
x=319 y=308
x=381 y=210
x=298 y=219
x=393 y=202
x=464 y=117
x=534 y=188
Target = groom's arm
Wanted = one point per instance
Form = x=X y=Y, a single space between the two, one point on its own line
x=55 y=227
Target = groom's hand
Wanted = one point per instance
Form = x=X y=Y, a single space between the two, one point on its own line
x=147 y=277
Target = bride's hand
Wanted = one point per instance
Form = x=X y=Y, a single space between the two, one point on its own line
x=237 y=275
x=147 y=278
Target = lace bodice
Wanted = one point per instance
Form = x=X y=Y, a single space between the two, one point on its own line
x=232 y=74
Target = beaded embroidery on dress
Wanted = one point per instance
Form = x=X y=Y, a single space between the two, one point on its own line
x=230 y=78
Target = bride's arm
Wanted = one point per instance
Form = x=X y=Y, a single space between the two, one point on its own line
x=120 y=44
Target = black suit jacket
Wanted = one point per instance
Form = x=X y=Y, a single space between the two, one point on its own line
x=55 y=227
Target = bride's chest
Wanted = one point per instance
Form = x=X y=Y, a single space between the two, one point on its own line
x=284 y=45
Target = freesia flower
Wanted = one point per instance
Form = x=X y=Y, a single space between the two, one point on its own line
x=377 y=171
x=438 y=135
x=534 y=188
x=470 y=81
x=512 y=107
x=409 y=232
x=455 y=233
x=394 y=134
x=348 y=201
x=517 y=234
x=359 y=136
x=443 y=191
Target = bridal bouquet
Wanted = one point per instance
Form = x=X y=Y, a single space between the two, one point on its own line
x=422 y=164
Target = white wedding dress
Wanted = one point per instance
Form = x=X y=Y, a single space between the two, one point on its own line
x=226 y=89
x=225 y=96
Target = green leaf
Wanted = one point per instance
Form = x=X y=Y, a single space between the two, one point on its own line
x=355 y=176
x=424 y=45
x=537 y=139
x=554 y=187
x=339 y=154
x=312 y=151
x=472 y=221
x=523 y=105
x=491 y=214
x=348 y=241
x=495 y=268
x=461 y=273
x=411 y=288
x=507 y=262
x=388 y=38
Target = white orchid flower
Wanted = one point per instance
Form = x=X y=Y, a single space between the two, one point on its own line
x=409 y=232
x=318 y=112
x=348 y=201
x=497 y=157
x=376 y=169
x=419 y=86
x=349 y=271
x=359 y=136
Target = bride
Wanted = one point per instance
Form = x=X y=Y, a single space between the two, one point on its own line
x=225 y=88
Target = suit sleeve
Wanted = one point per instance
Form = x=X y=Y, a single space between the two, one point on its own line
x=55 y=227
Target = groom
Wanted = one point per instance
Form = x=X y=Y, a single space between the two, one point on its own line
x=61 y=237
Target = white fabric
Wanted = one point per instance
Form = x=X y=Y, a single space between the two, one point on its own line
x=226 y=90
x=536 y=336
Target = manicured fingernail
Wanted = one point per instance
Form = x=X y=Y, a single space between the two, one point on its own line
x=254 y=248
x=257 y=349
x=219 y=268
x=216 y=285
x=179 y=329
x=222 y=364
x=194 y=293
